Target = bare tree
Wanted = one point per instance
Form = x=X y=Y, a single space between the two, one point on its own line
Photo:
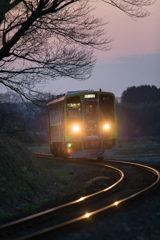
x=11 y=121
x=48 y=39
x=133 y=8
x=20 y=121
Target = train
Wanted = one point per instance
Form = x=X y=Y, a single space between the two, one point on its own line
x=83 y=124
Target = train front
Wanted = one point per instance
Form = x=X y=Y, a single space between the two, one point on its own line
x=91 y=126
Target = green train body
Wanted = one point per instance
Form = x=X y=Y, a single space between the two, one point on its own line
x=83 y=124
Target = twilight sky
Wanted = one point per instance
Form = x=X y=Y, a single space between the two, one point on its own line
x=133 y=60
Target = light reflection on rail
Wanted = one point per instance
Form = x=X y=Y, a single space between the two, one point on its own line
x=87 y=215
x=116 y=203
x=81 y=199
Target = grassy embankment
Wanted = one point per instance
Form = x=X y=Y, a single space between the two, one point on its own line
x=25 y=183
x=138 y=147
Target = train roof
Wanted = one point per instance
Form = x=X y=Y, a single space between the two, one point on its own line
x=62 y=97
x=74 y=92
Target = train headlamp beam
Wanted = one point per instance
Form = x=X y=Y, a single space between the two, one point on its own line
x=76 y=128
x=106 y=126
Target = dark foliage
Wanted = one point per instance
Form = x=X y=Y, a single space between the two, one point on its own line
x=21 y=121
x=139 y=112
x=141 y=94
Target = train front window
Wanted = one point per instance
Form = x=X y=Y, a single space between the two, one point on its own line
x=91 y=112
x=73 y=111
x=73 y=108
x=106 y=103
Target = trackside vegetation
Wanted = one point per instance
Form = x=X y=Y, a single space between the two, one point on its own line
x=21 y=177
x=24 y=181
x=138 y=113
x=29 y=184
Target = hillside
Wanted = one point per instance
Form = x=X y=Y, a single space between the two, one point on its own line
x=22 y=179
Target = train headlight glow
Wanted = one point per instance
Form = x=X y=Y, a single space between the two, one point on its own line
x=106 y=126
x=76 y=128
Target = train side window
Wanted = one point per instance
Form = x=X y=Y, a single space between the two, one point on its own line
x=56 y=115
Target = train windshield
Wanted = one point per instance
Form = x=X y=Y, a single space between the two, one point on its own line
x=106 y=103
x=91 y=118
x=91 y=112
x=73 y=108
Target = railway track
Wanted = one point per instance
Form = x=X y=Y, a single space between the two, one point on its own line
x=134 y=181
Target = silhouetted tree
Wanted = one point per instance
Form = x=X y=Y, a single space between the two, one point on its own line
x=47 y=39
x=18 y=120
x=139 y=112
x=141 y=94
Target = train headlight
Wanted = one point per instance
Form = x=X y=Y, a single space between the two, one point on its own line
x=75 y=128
x=106 y=127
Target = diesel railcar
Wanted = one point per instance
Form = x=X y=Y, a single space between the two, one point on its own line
x=83 y=124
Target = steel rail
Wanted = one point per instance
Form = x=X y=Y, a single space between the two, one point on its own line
x=150 y=169
x=58 y=227
x=19 y=224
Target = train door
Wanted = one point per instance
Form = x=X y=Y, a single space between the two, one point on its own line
x=91 y=118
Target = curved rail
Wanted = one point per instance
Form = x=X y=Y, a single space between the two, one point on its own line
x=18 y=224
x=150 y=169
x=59 y=227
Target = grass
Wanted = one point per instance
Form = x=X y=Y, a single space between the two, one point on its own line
x=23 y=180
x=39 y=148
x=138 y=149
x=26 y=182
x=92 y=181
